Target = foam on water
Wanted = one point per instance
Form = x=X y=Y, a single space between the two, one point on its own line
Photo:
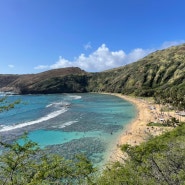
x=6 y=93
x=71 y=123
x=45 y=118
x=59 y=104
x=67 y=124
x=75 y=97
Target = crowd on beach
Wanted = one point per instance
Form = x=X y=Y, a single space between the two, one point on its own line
x=138 y=131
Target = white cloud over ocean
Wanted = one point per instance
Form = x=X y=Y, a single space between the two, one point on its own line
x=99 y=60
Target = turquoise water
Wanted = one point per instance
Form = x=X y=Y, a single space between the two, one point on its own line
x=68 y=124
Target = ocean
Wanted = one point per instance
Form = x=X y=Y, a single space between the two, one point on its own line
x=68 y=124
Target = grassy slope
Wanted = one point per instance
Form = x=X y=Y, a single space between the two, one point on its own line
x=161 y=69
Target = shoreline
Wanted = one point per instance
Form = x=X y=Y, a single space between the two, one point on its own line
x=137 y=130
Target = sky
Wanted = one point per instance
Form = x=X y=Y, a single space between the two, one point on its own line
x=95 y=35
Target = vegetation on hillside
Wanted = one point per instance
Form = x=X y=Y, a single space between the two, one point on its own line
x=174 y=97
x=161 y=160
x=28 y=165
x=159 y=71
x=62 y=80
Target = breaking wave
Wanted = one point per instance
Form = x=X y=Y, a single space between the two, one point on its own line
x=74 y=97
x=42 y=119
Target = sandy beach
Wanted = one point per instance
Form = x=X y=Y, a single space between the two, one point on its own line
x=138 y=131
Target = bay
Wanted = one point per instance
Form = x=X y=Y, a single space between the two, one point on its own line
x=68 y=124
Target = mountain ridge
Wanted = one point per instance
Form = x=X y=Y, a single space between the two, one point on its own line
x=162 y=69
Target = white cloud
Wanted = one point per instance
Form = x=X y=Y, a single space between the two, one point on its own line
x=41 y=67
x=99 y=60
x=62 y=62
x=11 y=66
x=103 y=59
x=137 y=54
x=168 y=44
x=87 y=46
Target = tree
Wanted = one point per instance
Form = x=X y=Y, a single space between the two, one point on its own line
x=7 y=106
x=160 y=160
x=27 y=164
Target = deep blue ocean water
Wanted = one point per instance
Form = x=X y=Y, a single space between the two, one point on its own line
x=68 y=124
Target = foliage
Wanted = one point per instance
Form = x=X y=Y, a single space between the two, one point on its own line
x=159 y=71
x=161 y=160
x=27 y=164
x=175 y=96
x=156 y=124
x=7 y=106
x=172 y=122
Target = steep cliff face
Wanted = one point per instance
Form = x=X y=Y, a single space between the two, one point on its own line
x=160 y=70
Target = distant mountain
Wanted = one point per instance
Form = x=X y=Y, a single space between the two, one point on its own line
x=160 y=70
x=53 y=81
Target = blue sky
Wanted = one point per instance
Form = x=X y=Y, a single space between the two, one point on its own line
x=95 y=35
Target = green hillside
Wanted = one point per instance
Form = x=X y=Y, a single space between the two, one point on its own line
x=159 y=160
x=159 y=70
x=53 y=81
